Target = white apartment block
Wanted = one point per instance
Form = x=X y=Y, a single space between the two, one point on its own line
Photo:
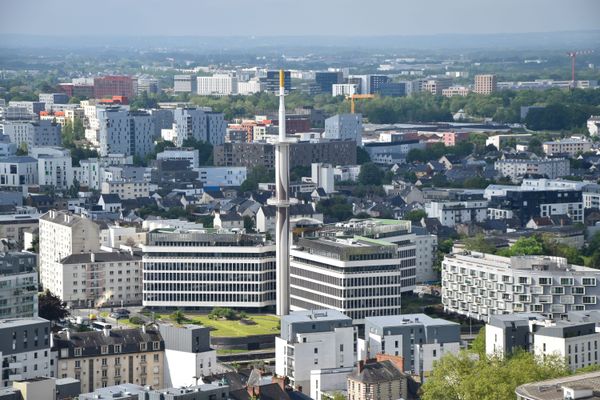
x=500 y=141
x=344 y=127
x=218 y=85
x=344 y=89
x=54 y=167
x=18 y=171
x=456 y=91
x=126 y=189
x=184 y=84
x=516 y=169
x=97 y=279
x=62 y=234
x=419 y=339
x=481 y=285
x=313 y=340
x=574 y=338
x=222 y=176
x=250 y=87
x=570 y=146
x=125 y=132
x=451 y=213
x=31 y=134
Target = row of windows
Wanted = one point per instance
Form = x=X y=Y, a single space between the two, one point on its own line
x=209 y=277
x=196 y=298
x=212 y=287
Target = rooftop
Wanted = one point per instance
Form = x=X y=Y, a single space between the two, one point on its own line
x=407 y=319
x=13 y=323
x=314 y=315
x=378 y=372
x=552 y=389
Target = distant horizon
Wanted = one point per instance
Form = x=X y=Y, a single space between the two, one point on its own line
x=297 y=18
x=271 y=36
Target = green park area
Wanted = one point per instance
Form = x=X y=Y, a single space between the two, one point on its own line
x=251 y=324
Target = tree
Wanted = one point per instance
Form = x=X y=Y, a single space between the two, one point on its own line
x=178 y=316
x=370 y=174
x=465 y=377
x=22 y=149
x=478 y=344
x=535 y=146
x=51 y=307
x=257 y=175
x=415 y=215
x=524 y=246
x=480 y=244
x=248 y=224
x=205 y=150
x=362 y=156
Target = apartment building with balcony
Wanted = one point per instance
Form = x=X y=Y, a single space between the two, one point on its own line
x=18 y=285
x=481 y=285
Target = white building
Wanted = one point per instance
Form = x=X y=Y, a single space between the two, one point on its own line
x=451 y=213
x=322 y=176
x=26 y=349
x=343 y=173
x=125 y=132
x=55 y=167
x=516 y=169
x=344 y=89
x=200 y=124
x=359 y=276
x=222 y=176
x=62 y=234
x=219 y=85
x=31 y=134
x=208 y=268
x=187 y=354
x=180 y=153
x=500 y=141
x=571 y=146
x=313 y=340
x=481 y=285
x=574 y=338
x=419 y=339
x=324 y=382
x=250 y=87
x=126 y=189
x=18 y=171
x=344 y=127
x=97 y=279
x=184 y=84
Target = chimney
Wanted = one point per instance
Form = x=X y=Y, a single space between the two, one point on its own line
x=92 y=257
x=106 y=332
x=143 y=328
x=68 y=334
x=361 y=366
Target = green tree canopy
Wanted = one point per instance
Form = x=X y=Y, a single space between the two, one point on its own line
x=51 y=307
x=370 y=174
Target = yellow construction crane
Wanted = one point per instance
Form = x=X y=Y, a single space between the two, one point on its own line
x=358 y=97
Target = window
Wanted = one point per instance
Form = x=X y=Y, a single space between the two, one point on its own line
x=77 y=351
x=155 y=345
x=143 y=346
x=117 y=348
x=77 y=364
x=104 y=350
x=156 y=357
x=316 y=351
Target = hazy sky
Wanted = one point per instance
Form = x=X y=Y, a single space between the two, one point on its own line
x=294 y=17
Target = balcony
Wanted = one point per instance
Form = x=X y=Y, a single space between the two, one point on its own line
x=15 y=365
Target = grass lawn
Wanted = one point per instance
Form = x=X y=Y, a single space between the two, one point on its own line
x=265 y=324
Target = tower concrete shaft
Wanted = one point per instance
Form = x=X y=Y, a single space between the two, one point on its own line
x=282 y=202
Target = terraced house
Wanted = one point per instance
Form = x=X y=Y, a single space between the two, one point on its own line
x=111 y=357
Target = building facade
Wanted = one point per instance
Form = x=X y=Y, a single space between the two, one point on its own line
x=25 y=349
x=198 y=269
x=312 y=340
x=517 y=169
x=485 y=84
x=110 y=357
x=18 y=285
x=480 y=285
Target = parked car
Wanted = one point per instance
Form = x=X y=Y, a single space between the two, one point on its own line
x=120 y=313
